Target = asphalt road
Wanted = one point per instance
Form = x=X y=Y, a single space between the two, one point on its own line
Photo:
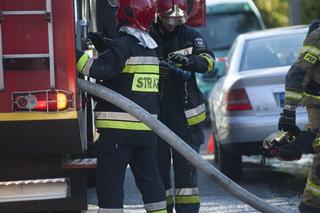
x=278 y=183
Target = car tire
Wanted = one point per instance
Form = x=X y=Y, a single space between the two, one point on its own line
x=230 y=164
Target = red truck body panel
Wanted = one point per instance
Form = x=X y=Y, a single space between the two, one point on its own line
x=28 y=34
x=24 y=37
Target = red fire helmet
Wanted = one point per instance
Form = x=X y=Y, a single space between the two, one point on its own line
x=136 y=13
x=173 y=12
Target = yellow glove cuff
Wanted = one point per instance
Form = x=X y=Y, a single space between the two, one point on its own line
x=82 y=62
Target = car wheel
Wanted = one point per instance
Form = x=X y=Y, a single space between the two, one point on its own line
x=230 y=164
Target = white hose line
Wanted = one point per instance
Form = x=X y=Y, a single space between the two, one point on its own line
x=178 y=144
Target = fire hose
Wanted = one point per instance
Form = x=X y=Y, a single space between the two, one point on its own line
x=178 y=144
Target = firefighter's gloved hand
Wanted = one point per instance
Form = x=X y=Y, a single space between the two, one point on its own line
x=171 y=68
x=178 y=58
x=287 y=122
x=82 y=62
x=98 y=40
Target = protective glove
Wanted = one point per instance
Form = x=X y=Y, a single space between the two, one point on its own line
x=168 y=67
x=287 y=122
x=82 y=59
x=178 y=58
x=100 y=42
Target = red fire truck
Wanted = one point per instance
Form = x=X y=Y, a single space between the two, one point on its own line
x=43 y=116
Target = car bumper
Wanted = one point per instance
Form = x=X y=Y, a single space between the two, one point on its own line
x=248 y=129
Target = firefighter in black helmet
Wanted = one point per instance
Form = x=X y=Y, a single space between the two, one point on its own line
x=130 y=67
x=182 y=107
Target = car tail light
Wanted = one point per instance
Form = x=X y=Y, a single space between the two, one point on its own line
x=221 y=59
x=44 y=101
x=238 y=100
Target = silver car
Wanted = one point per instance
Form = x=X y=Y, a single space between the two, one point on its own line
x=246 y=102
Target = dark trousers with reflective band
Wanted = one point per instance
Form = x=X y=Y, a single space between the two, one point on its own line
x=186 y=199
x=311 y=194
x=113 y=159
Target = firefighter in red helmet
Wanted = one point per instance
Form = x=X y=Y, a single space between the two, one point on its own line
x=182 y=107
x=127 y=67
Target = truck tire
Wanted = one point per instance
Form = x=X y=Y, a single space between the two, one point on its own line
x=230 y=165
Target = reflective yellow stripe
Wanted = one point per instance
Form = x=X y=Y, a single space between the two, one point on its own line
x=313 y=188
x=313 y=96
x=316 y=142
x=141 y=69
x=34 y=116
x=121 y=125
x=159 y=211
x=196 y=119
x=82 y=62
x=312 y=59
x=210 y=61
x=156 y=206
x=187 y=199
x=293 y=95
x=195 y=111
x=310 y=49
x=145 y=83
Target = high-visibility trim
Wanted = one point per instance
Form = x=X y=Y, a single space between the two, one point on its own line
x=316 y=142
x=159 y=211
x=313 y=96
x=185 y=51
x=169 y=195
x=82 y=62
x=156 y=206
x=103 y=210
x=312 y=59
x=141 y=69
x=310 y=49
x=138 y=60
x=187 y=191
x=128 y=125
x=196 y=119
x=313 y=188
x=293 y=95
x=145 y=82
x=38 y=116
x=195 y=111
x=121 y=116
x=210 y=61
x=169 y=192
x=187 y=199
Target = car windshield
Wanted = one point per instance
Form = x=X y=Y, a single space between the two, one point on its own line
x=273 y=51
x=223 y=28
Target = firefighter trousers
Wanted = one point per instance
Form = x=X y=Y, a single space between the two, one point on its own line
x=112 y=161
x=311 y=194
x=183 y=195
